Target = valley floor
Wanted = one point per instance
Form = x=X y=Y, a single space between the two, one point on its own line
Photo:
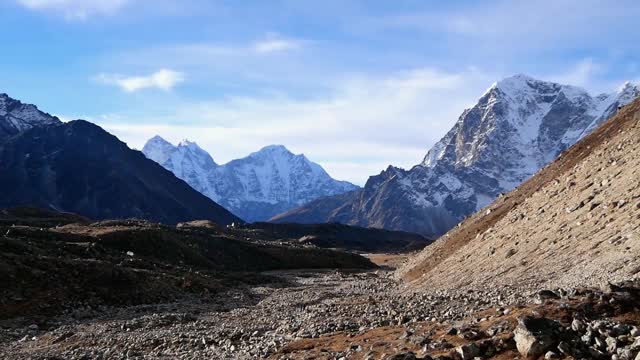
x=297 y=315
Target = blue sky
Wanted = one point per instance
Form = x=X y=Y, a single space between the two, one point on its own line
x=354 y=85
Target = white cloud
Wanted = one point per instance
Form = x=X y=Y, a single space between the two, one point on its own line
x=76 y=9
x=514 y=27
x=275 y=45
x=163 y=79
x=581 y=74
x=365 y=124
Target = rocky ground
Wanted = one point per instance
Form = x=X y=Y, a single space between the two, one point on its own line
x=50 y=262
x=339 y=314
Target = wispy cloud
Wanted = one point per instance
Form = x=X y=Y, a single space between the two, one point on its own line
x=76 y=9
x=275 y=45
x=260 y=64
x=510 y=27
x=163 y=79
x=581 y=74
x=363 y=125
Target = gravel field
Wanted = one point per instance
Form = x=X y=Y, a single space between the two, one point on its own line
x=300 y=314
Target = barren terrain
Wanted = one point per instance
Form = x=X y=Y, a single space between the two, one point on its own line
x=314 y=315
x=575 y=223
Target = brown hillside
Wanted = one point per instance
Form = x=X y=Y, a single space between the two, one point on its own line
x=576 y=222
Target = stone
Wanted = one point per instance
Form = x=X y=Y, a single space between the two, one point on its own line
x=612 y=344
x=544 y=295
x=551 y=355
x=625 y=354
x=418 y=340
x=564 y=348
x=578 y=326
x=402 y=356
x=469 y=351
x=534 y=336
x=596 y=354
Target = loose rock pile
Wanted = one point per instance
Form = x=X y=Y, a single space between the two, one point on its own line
x=334 y=315
x=598 y=339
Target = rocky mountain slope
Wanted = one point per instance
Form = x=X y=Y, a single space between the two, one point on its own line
x=257 y=187
x=519 y=125
x=79 y=167
x=337 y=236
x=54 y=261
x=575 y=223
x=16 y=117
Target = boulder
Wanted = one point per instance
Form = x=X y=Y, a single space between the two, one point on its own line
x=534 y=336
x=578 y=326
x=469 y=351
x=403 y=356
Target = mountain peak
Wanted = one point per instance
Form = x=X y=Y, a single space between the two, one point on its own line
x=16 y=117
x=520 y=77
x=188 y=143
x=519 y=82
x=270 y=151
x=158 y=140
x=628 y=87
x=520 y=87
x=275 y=148
x=158 y=143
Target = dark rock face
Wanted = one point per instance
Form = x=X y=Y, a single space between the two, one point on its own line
x=517 y=127
x=16 y=117
x=79 y=167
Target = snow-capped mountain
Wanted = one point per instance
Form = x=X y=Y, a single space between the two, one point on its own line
x=257 y=187
x=518 y=126
x=16 y=117
x=187 y=161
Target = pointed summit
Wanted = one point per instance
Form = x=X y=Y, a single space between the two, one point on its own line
x=520 y=77
x=520 y=87
x=188 y=143
x=16 y=117
x=187 y=160
x=271 y=152
x=629 y=89
x=275 y=148
x=158 y=140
